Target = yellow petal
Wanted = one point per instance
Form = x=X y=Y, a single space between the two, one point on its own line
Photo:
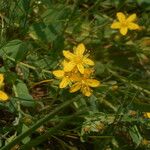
x=121 y=17
x=65 y=81
x=86 y=91
x=115 y=25
x=3 y=96
x=88 y=61
x=75 y=87
x=75 y=77
x=133 y=26
x=88 y=72
x=69 y=66
x=80 y=49
x=68 y=55
x=1 y=78
x=59 y=73
x=147 y=115
x=132 y=18
x=123 y=31
x=93 y=82
x=64 y=62
x=80 y=68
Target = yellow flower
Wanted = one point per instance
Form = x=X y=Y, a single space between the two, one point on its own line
x=125 y=23
x=84 y=83
x=1 y=81
x=77 y=59
x=3 y=96
x=66 y=77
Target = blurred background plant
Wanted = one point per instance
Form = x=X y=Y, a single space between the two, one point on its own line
x=39 y=115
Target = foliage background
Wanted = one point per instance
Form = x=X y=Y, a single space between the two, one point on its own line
x=33 y=34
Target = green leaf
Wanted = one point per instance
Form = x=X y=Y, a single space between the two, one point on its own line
x=15 y=49
x=143 y=1
x=100 y=68
x=27 y=138
x=43 y=33
x=23 y=94
x=135 y=135
x=55 y=13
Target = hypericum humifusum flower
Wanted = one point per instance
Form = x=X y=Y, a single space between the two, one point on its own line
x=3 y=95
x=124 y=23
x=77 y=59
x=76 y=72
x=84 y=83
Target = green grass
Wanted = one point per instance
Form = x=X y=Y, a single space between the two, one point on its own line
x=39 y=115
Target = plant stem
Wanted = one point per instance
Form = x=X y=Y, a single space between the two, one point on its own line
x=48 y=134
x=18 y=105
x=27 y=65
x=132 y=84
x=38 y=124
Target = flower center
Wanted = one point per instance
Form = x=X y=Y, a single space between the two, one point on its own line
x=67 y=74
x=83 y=81
x=78 y=60
x=124 y=24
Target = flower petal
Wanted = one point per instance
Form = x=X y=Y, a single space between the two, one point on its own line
x=3 y=96
x=132 y=18
x=115 y=25
x=80 y=68
x=88 y=72
x=64 y=62
x=69 y=66
x=75 y=87
x=133 y=26
x=68 y=55
x=88 y=61
x=65 y=81
x=59 y=73
x=121 y=17
x=1 y=78
x=147 y=114
x=80 y=49
x=92 y=82
x=123 y=31
x=75 y=77
x=86 y=91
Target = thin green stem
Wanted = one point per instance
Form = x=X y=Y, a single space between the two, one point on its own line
x=100 y=137
x=101 y=99
x=2 y=29
x=26 y=65
x=107 y=103
x=48 y=134
x=129 y=82
x=38 y=124
x=71 y=15
x=18 y=105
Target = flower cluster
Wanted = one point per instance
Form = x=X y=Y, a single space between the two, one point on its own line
x=76 y=72
x=124 y=23
x=3 y=95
